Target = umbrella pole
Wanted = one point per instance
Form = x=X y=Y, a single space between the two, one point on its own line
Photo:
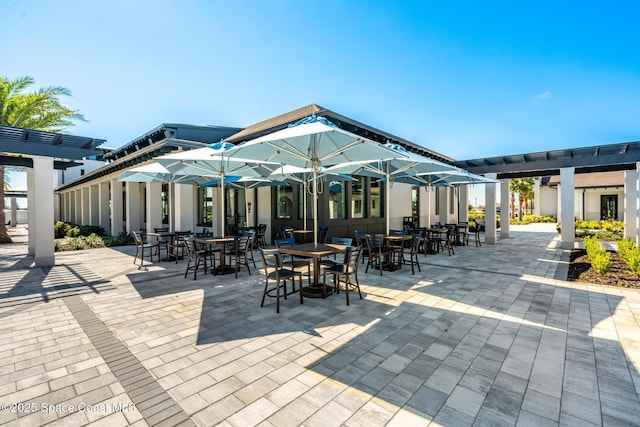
x=171 y=209
x=304 y=205
x=315 y=208
x=428 y=188
x=387 y=198
x=222 y=201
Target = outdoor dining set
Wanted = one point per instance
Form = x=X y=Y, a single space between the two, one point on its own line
x=294 y=259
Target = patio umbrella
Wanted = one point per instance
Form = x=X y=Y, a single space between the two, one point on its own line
x=288 y=174
x=155 y=172
x=212 y=161
x=403 y=164
x=440 y=179
x=312 y=143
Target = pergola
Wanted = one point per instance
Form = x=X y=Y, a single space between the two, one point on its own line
x=43 y=148
x=566 y=163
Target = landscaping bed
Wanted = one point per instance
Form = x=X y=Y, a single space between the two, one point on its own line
x=619 y=275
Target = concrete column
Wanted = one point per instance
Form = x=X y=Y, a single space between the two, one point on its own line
x=14 y=212
x=567 y=202
x=104 y=217
x=637 y=222
x=630 y=204
x=154 y=205
x=84 y=196
x=77 y=217
x=504 y=209
x=94 y=205
x=43 y=221
x=443 y=206
x=463 y=203
x=490 y=235
x=185 y=208
x=31 y=211
x=117 y=220
x=133 y=206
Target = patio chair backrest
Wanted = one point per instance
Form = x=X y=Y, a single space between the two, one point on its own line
x=346 y=241
x=286 y=232
x=322 y=233
x=360 y=235
x=285 y=242
x=396 y=232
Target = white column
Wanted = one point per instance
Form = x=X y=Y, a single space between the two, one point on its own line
x=154 y=205
x=185 y=208
x=630 y=204
x=14 y=212
x=490 y=235
x=94 y=205
x=104 y=218
x=567 y=202
x=505 y=231
x=117 y=220
x=637 y=187
x=43 y=191
x=463 y=203
x=133 y=206
x=443 y=205
x=77 y=216
x=31 y=212
x=84 y=197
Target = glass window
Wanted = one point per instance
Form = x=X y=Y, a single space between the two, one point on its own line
x=451 y=200
x=337 y=200
x=358 y=198
x=437 y=202
x=375 y=200
x=205 y=206
x=165 y=203
x=415 y=201
x=284 y=201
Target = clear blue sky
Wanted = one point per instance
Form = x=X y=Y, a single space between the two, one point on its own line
x=466 y=79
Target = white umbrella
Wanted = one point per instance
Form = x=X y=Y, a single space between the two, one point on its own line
x=404 y=163
x=312 y=143
x=212 y=161
x=298 y=175
x=155 y=172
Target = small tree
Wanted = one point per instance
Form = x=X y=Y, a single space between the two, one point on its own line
x=39 y=110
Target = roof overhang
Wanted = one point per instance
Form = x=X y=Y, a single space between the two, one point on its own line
x=27 y=162
x=602 y=158
x=141 y=156
x=48 y=144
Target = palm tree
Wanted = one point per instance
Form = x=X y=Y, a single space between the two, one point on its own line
x=40 y=110
x=524 y=188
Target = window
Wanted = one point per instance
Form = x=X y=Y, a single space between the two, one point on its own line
x=415 y=201
x=358 y=198
x=337 y=200
x=375 y=200
x=164 y=201
x=452 y=204
x=205 y=206
x=284 y=201
x=437 y=202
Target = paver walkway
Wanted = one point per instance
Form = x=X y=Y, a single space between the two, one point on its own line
x=486 y=337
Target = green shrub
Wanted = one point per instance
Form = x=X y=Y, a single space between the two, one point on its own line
x=633 y=260
x=60 y=229
x=87 y=230
x=601 y=262
x=625 y=247
x=119 y=240
x=73 y=231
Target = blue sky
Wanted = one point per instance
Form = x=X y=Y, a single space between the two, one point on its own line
x=466 y=79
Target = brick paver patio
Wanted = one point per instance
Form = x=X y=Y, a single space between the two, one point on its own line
x=486 y=337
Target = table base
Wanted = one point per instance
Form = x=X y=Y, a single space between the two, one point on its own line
x=315 y=291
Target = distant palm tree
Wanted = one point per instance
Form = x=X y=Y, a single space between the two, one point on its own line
x=524 y=188
x=40 y=110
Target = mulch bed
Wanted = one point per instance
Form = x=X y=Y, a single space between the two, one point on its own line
x=619 y=275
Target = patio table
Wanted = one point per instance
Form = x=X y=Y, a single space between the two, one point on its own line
x=395 y=242
x=159 y=235
x=221 y=241
x=314 y=251
x=305 y=234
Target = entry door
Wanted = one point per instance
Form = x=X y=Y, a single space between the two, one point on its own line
x=236 y=211
x=608 y=206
